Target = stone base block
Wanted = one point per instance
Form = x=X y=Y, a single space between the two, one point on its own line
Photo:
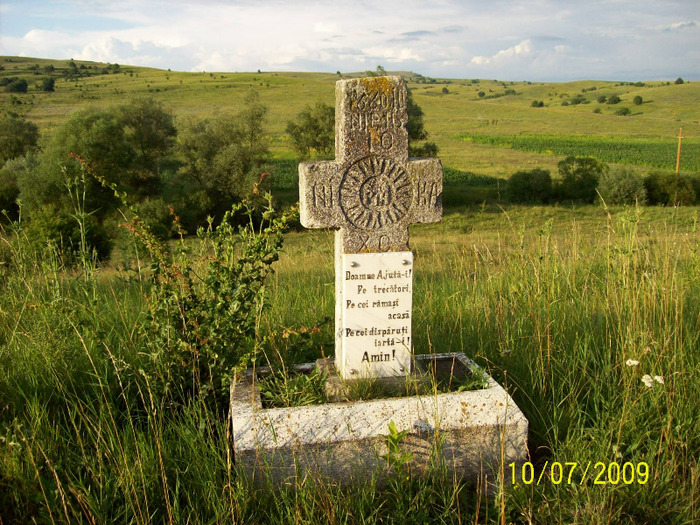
x=473 y=433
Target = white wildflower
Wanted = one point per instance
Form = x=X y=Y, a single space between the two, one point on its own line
x=659 y=379
x=647 y=380
x=632 y=362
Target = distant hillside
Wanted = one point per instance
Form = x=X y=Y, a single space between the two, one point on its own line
x=460 y=115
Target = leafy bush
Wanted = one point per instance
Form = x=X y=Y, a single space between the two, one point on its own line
x=427 y=149
x=533 y=186
x=222 y=155
x=638 y=100
x=60 y=230
x=622 y=186
x=48 y=84
x=578 y=99
x=602 y=99
x=17 y=86
x=623 y=112
x=9 y=190
x=614 y=99
x=669 y=188
x=580 y=177
x=157 y=217
x=313 y=131
x=17 y=136
x=201 y=325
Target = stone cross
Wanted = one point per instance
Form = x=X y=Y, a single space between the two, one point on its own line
x=371 y=193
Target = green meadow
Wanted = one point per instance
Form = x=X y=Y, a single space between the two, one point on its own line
x=588 y=315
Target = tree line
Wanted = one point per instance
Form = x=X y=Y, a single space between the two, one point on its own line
x=587 y=179
x=194 y=168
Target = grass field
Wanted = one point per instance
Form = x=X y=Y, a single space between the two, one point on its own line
x=590 y=317
x=556 y=303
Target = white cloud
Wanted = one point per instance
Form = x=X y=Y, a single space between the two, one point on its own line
x=524 y=48
x=325 y=27
x=451 y=38
x=680 y=25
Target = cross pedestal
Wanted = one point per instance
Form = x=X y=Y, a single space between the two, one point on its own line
x=371 y=193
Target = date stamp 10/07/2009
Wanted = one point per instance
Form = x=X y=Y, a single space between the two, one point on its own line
x=573 y=472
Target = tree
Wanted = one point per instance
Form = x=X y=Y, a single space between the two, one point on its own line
x=622 y=186
x=638 y=100
x=312 y=132
x=17 y=136
x=48 y=84
x=614 y=99
x=221 y=155
x=416 y=131
x=17 y=86
x=679 y=80
x=580 y=176
x=669 y=188
x=9 y=190
x=97 y=135
x=150 y=132
x=530 y=186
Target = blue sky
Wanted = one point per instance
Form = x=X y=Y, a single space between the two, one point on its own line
x=550 y=40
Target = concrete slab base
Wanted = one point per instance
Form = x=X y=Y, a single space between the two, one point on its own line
x=472 y=433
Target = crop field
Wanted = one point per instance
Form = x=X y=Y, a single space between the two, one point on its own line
x=615 y=150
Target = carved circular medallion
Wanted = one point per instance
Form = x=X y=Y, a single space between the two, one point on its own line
x=375 y=193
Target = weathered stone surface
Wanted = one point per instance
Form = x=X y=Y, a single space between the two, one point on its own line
x=372 y=192
x=344 y=442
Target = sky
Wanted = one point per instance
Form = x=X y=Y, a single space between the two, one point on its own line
x=545 y=40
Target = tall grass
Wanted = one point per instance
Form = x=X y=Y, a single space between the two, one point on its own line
x=554 y=307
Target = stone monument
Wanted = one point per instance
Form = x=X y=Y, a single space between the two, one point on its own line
x=371 y=193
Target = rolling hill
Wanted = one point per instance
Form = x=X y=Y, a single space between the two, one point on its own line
x=462 y=116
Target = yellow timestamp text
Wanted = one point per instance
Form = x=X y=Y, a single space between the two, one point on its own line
x=573 y=472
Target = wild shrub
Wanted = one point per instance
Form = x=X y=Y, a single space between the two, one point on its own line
x=530 y=186
x=312 y=131
x=9 y=190
x=622 y=186
x=17 y=86
x=18 y=136
x=201 y=323
x=579 y=178
x=669 y=188
x=201 y=327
